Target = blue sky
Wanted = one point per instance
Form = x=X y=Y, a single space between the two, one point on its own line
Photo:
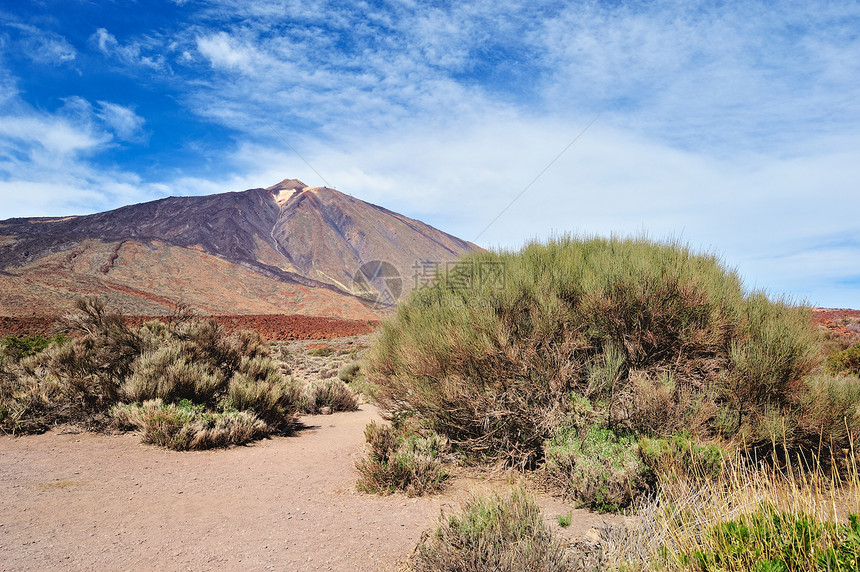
x=734 y=126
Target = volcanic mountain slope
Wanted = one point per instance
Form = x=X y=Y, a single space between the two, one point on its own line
x=288 y=248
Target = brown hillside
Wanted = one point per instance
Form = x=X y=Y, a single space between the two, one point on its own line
x=286 y=249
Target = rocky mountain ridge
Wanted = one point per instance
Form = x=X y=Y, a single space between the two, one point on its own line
x=288 y=248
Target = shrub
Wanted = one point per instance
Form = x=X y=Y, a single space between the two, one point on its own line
x=331 y=393
x=106 y=350
x=600 y=468
x=773 y=351
x=829 y=406
x=168 y=373
x=190 y=375
x=274 y=399
x=17 y=348
x=187 y=426
x=681 y=454
x=349 y=372
x=31 y=405
x=846 y=361
x=323 y=351
x=496 y=533
x=396 y=462
x=664 y=338
x=259 y=367
x=206 y=341
x=76 y=381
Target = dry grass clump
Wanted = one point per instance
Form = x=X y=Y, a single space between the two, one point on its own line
x=331 y=393
x=750 y=517
x=29 y=404
x=657 y=338
x=398 y=461
x=505 y=534
x=349 y=372
x=273 y=398
x=185 y=426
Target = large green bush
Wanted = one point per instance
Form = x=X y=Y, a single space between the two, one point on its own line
x=659 y=337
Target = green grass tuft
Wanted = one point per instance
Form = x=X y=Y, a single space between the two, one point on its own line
x=495 y=533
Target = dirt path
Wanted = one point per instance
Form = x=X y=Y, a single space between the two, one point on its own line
x=95 y=502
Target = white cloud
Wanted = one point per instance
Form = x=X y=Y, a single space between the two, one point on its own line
x=731 y=125
x=122 y=120
x=223 y=51
x=57 y=136
x=730 y=78
x=46 y=159
x=762 y=214
x=42 y=46
x=130 y=54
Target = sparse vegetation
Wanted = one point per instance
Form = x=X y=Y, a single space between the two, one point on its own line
x=186 y=383
x=606 y=368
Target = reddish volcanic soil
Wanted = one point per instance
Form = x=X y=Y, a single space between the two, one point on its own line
x=841 y=323
x=272 y=326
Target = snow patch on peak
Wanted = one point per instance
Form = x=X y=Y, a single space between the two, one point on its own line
x=283 y=196
x=285 y=190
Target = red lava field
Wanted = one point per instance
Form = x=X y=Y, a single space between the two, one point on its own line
x=272 y=326
x=841 y=323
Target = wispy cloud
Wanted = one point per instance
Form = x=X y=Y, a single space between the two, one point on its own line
x=732 y=125
x=122 y=120
x=224 y=51
x=132 y=53
x=47 y=158
x=42 y=46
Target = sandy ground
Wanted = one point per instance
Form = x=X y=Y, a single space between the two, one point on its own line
x=75 y=501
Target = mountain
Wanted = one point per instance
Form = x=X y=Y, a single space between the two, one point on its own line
x=288 y=248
